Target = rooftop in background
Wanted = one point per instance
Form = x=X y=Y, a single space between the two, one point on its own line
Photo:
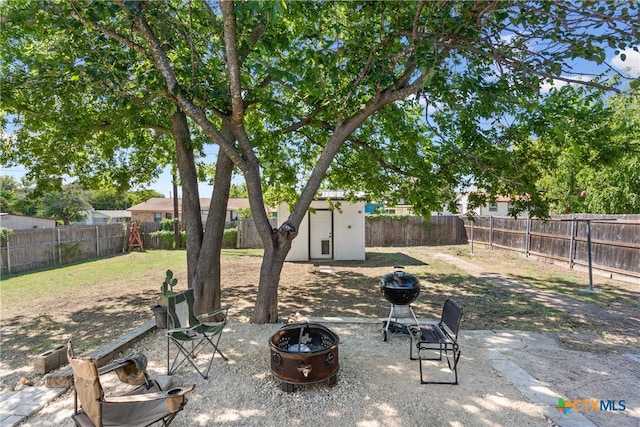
x=337 y=194
x=162 y=204
x=23 y=222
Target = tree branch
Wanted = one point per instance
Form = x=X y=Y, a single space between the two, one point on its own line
x=110 y=33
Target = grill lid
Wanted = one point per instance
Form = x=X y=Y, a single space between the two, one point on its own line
x=399 y=287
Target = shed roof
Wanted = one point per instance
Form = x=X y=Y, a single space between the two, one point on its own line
x=113 y=213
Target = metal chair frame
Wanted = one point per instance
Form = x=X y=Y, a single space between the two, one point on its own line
x=441 y=337
x=144 y=405
x=188 y=329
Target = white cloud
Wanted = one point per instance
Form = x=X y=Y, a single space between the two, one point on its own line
x=631 y=64
x=546 y=86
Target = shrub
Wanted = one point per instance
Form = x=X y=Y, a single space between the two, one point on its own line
x=229 y=238
x=166 y=225
x=5 y=233
x=166 y=239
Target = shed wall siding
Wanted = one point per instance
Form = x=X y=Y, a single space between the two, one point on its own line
x=348 y=232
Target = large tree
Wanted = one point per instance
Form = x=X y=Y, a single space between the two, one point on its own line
x=18 y=197
x=589 y=157
x=110 y=125
x=68 y=205
x=297 y=94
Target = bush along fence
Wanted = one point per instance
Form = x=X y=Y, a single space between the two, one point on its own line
x=160 y=235
x=606 y=244
x=27 y=250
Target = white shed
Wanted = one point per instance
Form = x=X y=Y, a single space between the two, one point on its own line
x=327 y=233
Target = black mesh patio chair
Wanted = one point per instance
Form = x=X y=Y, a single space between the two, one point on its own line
x=191 y=335
x=441 y=337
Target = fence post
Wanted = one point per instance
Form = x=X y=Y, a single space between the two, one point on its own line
x=59 y=248
x=589 y=252
x=8 y=256
x=53 y=249
x=490 y=232
x=527 y=237
x=572 y=241
x=97 y=242
x=471 y=236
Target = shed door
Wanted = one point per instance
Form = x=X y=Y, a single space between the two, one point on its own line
x=321 y=234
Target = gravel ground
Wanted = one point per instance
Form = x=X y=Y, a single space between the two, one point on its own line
x=377 y=384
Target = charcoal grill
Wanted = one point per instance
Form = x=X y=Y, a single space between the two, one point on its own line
x=304 y=353
x=400 y=289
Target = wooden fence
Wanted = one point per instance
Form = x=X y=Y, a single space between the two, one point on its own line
x=414 y=231
x=248 y=236
x=151 y=240
x=615 y=241
x=385 y=231
x=27 y=250
x=611 y=244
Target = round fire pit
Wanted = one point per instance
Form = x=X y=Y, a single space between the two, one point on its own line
x=304 y=353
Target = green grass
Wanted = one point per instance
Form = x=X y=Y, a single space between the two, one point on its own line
x=20 y=289
x=556 y=279
x=64 y=280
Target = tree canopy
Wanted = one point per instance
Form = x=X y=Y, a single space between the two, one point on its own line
x=68 y=205
x=588 y=156
x=305 y=95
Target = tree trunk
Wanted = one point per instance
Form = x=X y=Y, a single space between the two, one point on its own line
x=266 y=308
x=278 y=242
x=207 y=280
x=191 y=219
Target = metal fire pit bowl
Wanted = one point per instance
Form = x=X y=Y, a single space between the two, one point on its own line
x=304 y=353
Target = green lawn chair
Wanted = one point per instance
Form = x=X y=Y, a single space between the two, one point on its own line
x=190 y=334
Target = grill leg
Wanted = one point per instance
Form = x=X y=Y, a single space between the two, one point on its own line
x=385 y=331
x=414 y=315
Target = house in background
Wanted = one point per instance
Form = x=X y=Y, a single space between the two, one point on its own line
x=328 y=232
x=156 y=209
x=23 y=222
x=382 y=209
x=102 y=217
x=400 y=209
x=499 y=208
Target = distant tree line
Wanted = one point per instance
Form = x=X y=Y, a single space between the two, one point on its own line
x=66 y=203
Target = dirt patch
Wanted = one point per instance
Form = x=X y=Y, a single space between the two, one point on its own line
x=492 y=289
x=379 y=386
